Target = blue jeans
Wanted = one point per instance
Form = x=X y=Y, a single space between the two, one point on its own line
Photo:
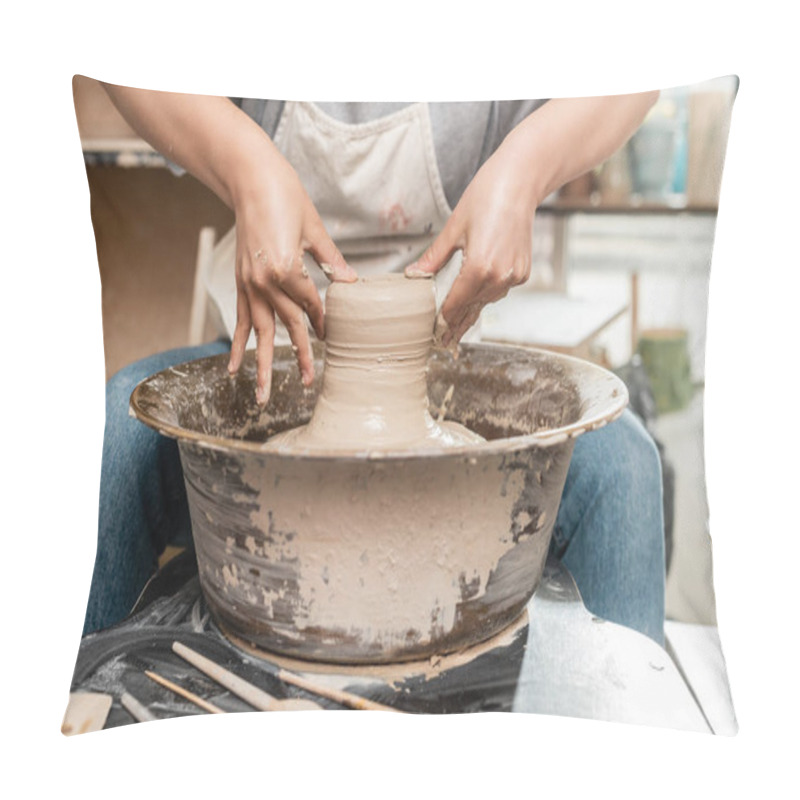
x=609 y=531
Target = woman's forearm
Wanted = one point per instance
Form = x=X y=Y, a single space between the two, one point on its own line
x=206 y=135
x=565 y=138
x=276 y=222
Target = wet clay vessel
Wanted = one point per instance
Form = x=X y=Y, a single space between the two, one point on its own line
x=365 y=557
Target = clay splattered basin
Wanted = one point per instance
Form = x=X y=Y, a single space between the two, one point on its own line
x=365 y=557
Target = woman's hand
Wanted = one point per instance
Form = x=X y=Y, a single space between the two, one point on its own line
x=493 y=222
x=493 y=226
x=276 y=223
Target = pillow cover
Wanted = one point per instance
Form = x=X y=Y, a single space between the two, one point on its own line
x=201 y=600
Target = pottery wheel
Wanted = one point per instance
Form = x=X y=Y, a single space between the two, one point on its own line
x=172 y=608
x=562 y=660
x=374 y=552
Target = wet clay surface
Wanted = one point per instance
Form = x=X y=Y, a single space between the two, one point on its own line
x=363 y=560
x=499 y=392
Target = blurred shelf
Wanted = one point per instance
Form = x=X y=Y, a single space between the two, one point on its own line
x=574 y=205
x=120 y=151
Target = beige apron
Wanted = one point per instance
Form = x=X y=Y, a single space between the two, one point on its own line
x=376 y=187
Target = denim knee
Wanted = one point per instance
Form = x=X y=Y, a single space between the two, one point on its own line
x=618 y=459
x=142 y=464
x=609 y=530
x=634 y=456
x=142 y=495
x=120 y=385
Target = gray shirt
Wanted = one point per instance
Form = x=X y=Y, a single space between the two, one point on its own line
x=465 y=134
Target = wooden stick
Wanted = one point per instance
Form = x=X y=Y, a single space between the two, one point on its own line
x=136 y=709
x=337 y=695
x=229 y=681
x=250 y=694
x=185 y=693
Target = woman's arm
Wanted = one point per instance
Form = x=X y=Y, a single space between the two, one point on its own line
x=208 y=136
x=565 y=138
x=492 y=222
x=275 y=219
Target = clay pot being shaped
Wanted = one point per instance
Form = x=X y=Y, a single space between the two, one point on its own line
x=368 y=537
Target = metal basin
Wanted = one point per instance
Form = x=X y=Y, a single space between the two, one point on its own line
x=373 y=558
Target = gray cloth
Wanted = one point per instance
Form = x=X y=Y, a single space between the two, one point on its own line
x=465 y=134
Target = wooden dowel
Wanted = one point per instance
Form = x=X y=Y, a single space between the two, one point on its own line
x=241 y=688
x=254 y=695
x=185 y=693
x=136 y=709
x=337 y=695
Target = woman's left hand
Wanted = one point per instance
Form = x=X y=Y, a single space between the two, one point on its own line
x=493 y=227
x=493 y=222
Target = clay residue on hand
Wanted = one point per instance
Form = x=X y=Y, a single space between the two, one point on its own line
x=417 y=274
x=440 y=329
x=327 y=269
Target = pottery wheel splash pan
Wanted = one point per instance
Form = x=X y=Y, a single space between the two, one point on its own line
x=376 y=557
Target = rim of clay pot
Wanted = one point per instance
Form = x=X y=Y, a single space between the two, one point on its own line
x=617 y=402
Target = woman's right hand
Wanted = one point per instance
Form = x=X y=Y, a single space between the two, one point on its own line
x=276 y=222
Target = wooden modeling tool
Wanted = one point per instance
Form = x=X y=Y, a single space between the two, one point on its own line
x=136 y=709
x=337 y=695
x=86 y=711
x=256 y=697
x=185 y=693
